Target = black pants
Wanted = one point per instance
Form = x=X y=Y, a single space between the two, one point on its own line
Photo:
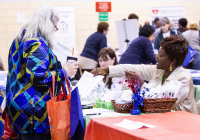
x=34 y=136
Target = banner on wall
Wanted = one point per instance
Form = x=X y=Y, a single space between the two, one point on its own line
x=65 y=37
x=174 y=13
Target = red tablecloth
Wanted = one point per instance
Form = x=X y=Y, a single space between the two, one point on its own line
x=177 y=125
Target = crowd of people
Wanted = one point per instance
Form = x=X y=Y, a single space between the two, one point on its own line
x=31 y=61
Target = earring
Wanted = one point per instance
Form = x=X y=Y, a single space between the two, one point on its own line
x=170 y=67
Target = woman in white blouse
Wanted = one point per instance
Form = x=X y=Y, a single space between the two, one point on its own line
x=168 y=68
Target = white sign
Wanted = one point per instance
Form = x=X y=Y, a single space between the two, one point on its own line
x=20 y=17
x=65 y=37
x=126 y=30
x=131 y=125
x=174 y=13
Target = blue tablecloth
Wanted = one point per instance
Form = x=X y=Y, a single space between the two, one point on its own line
x=196 y=80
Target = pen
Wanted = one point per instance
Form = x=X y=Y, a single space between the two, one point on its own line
x=93 y=114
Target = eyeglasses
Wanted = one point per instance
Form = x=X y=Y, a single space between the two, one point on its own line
x=56 y=28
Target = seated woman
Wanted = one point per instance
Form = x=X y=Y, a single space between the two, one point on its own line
x=106 y=58
x=168 y=68
x=140 y=51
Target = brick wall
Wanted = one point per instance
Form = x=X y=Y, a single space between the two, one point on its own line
x=86 y=18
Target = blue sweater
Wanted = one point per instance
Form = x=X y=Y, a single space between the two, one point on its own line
x=140 y=51
x=93 y=45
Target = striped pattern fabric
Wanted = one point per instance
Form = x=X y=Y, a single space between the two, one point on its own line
x=30 y=63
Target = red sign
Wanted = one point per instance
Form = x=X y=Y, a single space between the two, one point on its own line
x=103 y=6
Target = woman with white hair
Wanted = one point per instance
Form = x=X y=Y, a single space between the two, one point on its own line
x=30 y=63
x=166 y=31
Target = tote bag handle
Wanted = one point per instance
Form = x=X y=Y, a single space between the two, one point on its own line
x=63 y=88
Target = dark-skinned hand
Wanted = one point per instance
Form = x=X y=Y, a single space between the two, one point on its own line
x=100 y=71
x=133 y=76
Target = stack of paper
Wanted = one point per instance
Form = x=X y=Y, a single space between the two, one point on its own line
x=87 y=83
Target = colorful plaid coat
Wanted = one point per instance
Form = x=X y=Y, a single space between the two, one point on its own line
x=30 y=63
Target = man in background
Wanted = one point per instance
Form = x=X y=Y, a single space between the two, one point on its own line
x=156 y=23
x=134 y=16
x=182 y=24
x=157 y=28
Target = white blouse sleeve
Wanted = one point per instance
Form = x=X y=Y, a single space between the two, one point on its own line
x=146 y=72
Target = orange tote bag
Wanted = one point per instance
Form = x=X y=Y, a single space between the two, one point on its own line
x=59 y=113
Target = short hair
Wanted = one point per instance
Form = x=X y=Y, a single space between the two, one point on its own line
x=194 y=26
x=164 y=20
x=146 y=30
x=183 y=22
x=102 y=26
x=156 y=19
x=133 y=16
x=175 y=47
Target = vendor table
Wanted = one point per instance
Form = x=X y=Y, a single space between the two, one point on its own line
x=88 y=118
x=178 y=125
x=196 y=80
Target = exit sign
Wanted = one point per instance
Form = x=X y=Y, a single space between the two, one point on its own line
x=103 y=16
x=103 y=6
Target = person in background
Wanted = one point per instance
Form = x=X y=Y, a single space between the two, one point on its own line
x=94 y=43
x=134 y=16
x=140 y=50
x=168 y=68
x=1 y=65
x=156 y=23
x=146 y=23
x=157 y=29
x=107 y=57
x=192 y=36
x=30 y=63
x=171 y=24
x=165 y=32
x=182 y=25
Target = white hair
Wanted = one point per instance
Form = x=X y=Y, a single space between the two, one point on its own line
x=42 y=20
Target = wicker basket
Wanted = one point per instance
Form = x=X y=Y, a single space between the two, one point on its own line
x=122 y=108
x=158 y=105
